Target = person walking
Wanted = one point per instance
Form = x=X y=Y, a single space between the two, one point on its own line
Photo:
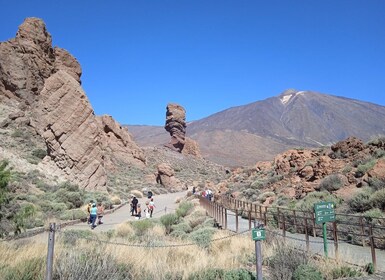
x=89 y=205
x=151 y=206
x=100 y=213
x=134 y=203
x=138 y=211
x=93 y=214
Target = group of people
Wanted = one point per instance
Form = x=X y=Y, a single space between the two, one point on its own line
x=95 y=212
x=136 y=209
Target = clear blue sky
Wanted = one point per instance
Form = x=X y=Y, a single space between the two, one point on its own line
x=137 y=56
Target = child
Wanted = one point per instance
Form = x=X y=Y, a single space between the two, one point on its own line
x=138 y=211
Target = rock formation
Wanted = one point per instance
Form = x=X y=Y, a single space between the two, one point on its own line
x=46 y=83
x=166 y=177
x=176 y=126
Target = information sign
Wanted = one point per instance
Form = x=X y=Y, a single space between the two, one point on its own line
x=324 y=212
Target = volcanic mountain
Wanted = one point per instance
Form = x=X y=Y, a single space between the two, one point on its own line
x=258 y=131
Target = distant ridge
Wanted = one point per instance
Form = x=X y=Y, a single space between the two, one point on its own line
x=258 y=131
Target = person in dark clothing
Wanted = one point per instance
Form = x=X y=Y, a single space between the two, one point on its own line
x=134 y=204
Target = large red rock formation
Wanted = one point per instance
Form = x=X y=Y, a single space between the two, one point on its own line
x=176 y=126
x=47 y=81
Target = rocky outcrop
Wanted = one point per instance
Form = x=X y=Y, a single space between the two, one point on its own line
x=117 y=141
x=176 y=126
x=26 y=61
x=166 y=177
x=80 y=145
x=66 y=121
x=347 y=148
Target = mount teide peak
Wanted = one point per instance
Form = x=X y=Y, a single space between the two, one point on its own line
x=258 y=131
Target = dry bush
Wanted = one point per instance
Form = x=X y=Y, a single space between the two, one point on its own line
x=124 y=230
x=137 y=193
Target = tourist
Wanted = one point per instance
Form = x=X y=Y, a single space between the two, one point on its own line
x=100 y=213
x=134 y=203
x=93 y=214
x=151 y=206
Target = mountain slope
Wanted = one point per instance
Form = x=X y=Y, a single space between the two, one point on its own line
x=246 y=134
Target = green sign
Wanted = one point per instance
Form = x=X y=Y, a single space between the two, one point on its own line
x=324 y=212
x=258 y=234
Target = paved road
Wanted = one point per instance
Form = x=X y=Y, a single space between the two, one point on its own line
x=164 y=203
x=350 y=253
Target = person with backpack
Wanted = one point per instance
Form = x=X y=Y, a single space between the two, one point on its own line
x=93 y=215
x=89 y=206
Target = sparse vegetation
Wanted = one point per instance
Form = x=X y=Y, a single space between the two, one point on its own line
x=331 y=183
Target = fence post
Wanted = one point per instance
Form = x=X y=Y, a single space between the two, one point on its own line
x=314 y=229
x=283 y=224
x=249 y=217
x=236 y=221
x=225 y=218
x=372 y=247
x=51 y=246
x=307 y=237
x=278 y=214
x=295 y=221
x=265 y=216
x=335 y=234
x=362 y=231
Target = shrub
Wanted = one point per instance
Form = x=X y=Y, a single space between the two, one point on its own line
x=168 y=220
x=262 y=197
x=142 y=226
x=307 y=204
x=378 y=199
x=365 y=167
x=70 y=237
x=285 y=261
x=331 y=183
x=39 y=153
x=361 y=202
x=89 y=263
x=238 y=274
x=184 y=208
x=377 y=184
x=183 y=227
x=32 y=269
x=73 y=214
x=372 y=214
x=345 y=271
x=208 y=274
x=307 y=272
x=137 y=193
x=202 y=237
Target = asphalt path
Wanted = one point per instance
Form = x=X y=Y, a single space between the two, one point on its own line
x=164 y=203
x=346 y=252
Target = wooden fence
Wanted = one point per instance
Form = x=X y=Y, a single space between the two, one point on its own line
x=352 y=229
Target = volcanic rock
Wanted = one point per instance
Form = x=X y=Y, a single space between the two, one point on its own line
x=166 y=177
x=176 y=126
x=45 y=82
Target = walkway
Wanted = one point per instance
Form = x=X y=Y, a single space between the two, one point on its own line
x=164 y=203
x=347 y=252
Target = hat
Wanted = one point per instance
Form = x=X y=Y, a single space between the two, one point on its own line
x=93 y=204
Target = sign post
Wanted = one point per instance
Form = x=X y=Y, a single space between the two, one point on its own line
x=258 y=233
x=324 y=212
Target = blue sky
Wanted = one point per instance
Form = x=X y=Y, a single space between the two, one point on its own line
x=137 y=56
